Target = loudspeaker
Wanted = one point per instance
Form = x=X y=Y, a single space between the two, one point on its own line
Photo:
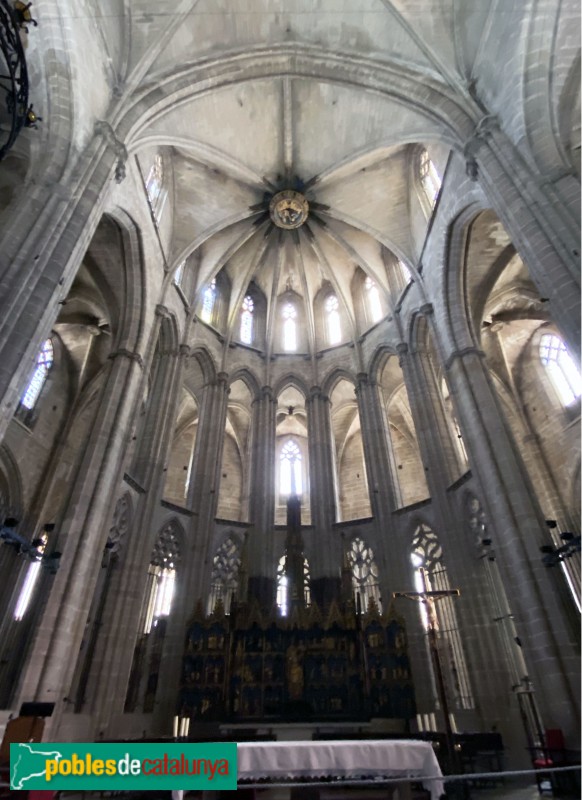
x=36 y=709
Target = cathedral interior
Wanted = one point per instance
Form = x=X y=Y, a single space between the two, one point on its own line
x=290 y=339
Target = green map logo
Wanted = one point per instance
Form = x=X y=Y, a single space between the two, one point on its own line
x=60 y=766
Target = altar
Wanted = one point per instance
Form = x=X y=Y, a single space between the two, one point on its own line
x=325 y=765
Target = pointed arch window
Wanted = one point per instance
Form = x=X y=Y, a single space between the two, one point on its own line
x=225 y=572
x=208 y=301
x=406 y=274
x=289 y=328
x=283 y=585
x=30 y=581
x=430 y=574
x=44 y=362
x=334 y=329
x=429 y=177
x=290 y=476
x=161 y=578
x=373 y=301
x=247 y=320
x=561 y=368
x=364 y=575
x=179 y=273
x=155 y=181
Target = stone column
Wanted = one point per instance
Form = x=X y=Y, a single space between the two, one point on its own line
x=542 y=221
x=326 y=553
x=535 y=594
x=111 y=669
x=260 y=541
x=377 y=450
x=428 y=414
x=193 y=578
x=82 y=536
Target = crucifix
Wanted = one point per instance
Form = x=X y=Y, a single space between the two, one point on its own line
x=429 y=598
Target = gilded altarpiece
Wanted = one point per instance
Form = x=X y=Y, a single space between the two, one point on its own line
x=247 y=666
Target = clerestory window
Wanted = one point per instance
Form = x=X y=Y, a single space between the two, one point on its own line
x=289 y=314
x=373 y=302
x=44 y=362
x=429 y=177
x=208 y=301
x=561 y=368
x=334 y=330
x=154 y=186
x=179 y=273
x=247 y=320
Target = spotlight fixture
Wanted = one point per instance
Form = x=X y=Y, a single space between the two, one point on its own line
x=554 y=554
x=33 y=550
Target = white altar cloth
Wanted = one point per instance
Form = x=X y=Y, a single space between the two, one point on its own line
x=375 y=758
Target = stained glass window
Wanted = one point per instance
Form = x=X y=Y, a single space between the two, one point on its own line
x=44 y=362
x=246 y=320
x=208 y=300
x=364 y=574
x=561 y=368
x=334 y=331
x=373 y=300
x=289 y=328
x=291 y=479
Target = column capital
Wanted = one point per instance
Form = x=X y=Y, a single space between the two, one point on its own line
x=465 y=351
x=427 y=309
x=126 y=354
x=163 y=311
x=316 y=392
x=402 y=348
x=185 y=350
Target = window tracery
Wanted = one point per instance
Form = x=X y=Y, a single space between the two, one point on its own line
x=561 y=368
x=364 y=574
x=224 y=578
x=162 y=577
x=290 y=476
x=44 y=362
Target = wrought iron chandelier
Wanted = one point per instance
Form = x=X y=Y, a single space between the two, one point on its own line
x=15 y=111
